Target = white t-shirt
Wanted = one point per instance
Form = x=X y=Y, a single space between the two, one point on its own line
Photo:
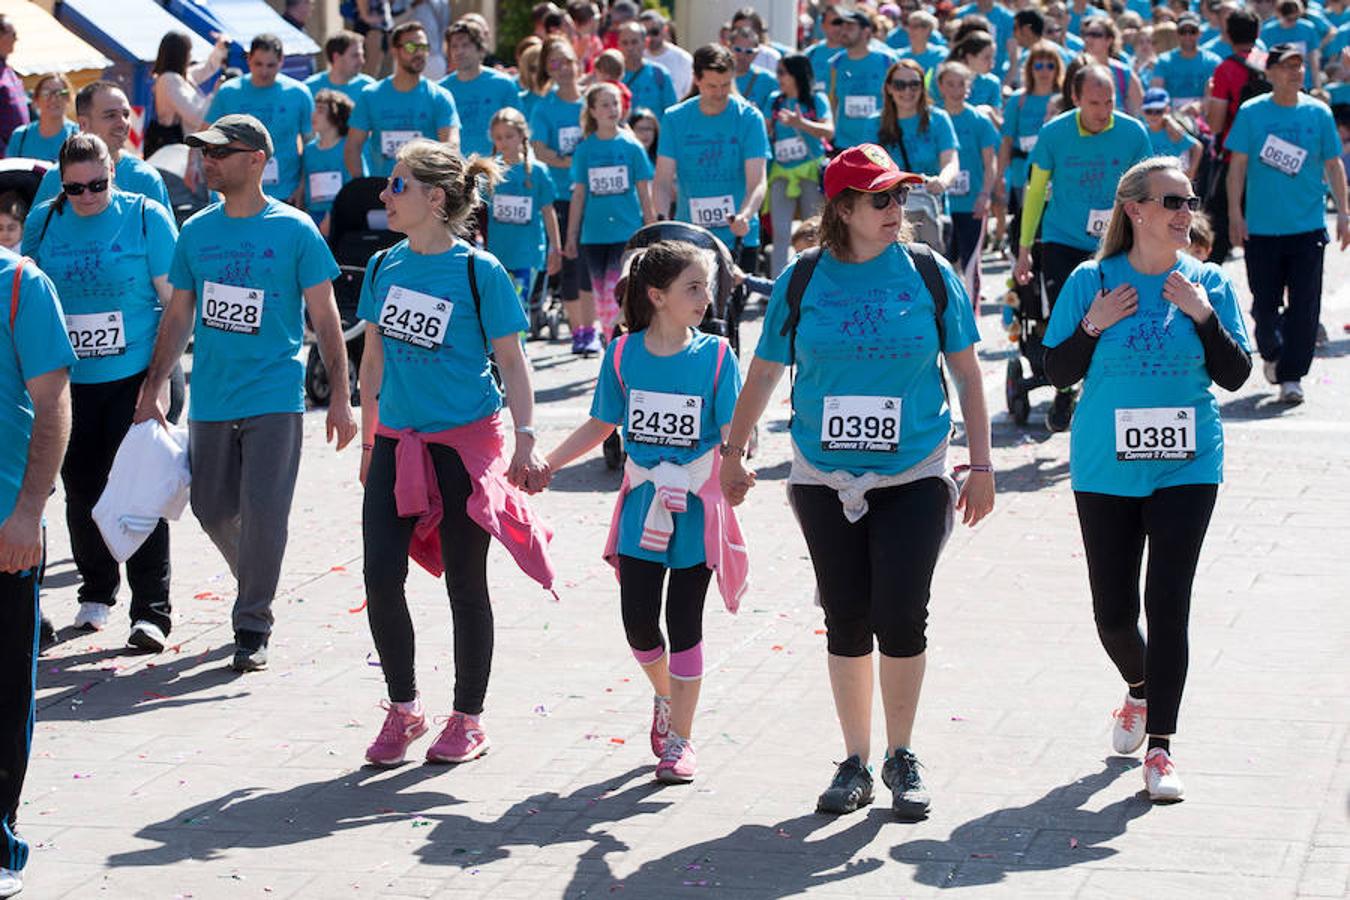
x=680 y=63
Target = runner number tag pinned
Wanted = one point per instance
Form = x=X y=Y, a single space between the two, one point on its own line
x=1283 y=156
x=271 y=171
x=851 y=422
x=860 y=107
x=415 y=318
x=1028 y=143
x=97 y=334
x=711 y=212
x=392 y=141
x=226 y=307
x=510 y=209
x=606 y=181
x=960 y=185
x=666 y=420
x=1098 y=219
x=324 y=186
x=1154 y=433
x=789 y=150
x=568 y=138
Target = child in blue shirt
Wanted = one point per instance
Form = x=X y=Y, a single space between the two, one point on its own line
x=324 y=171
x=520 y=207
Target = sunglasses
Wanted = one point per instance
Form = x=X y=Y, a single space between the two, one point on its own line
x=653 y=32
x=1043 y=67
x=225 y=152
x=58 y=92
x=398 y=185
x=75 y=188
x=745 y=50
x=1173 y=202
x=838 y=22
x=1094 y=34
x=905 y=84
x=1188 y=31
x=883 y=199
x=414 y=47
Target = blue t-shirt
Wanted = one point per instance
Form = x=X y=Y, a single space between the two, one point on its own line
x=710 y=153
x=869 y=330
x=1163 y=145
x=321 y=81
x=757 y=86
x=515 y=233
x=245 y=360
x=390 y=118
x=104 y=268
x=689 y=373
x=437 y=379
x=130 y=174
x=855 y=88
x=1084 y=171
x=556 y=124
x=1264 y=131
x=820 y=55
x=477 y=101
x=1186 y=79
x=1001 y=18
x=325 y=173
x=1303 y=32
x=27 y=141
x=287 y=109
x=985 y=90
x=975 y=132
x=651 y=87
x=1150 y=360
x=898 y=39
x=1023 y=116
x=609 y=170
x=35 y=345
x=924 y=149
x=932 y=57
x=783 y=139
x=528 y=101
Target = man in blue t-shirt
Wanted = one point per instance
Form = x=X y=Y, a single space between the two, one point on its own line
x=1185 y=72
x=753 y=83
x=479 y=93
x=1281 y=148
x=244 y=273
x=1288 y=26
x=649 y=82
x=35 y=361
x=854 y=82
x=346 y=55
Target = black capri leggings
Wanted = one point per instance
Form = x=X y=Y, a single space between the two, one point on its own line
x=464 y=547
x=1173 y=521
x=874 y=575
x=574 y=278
x=640 y=583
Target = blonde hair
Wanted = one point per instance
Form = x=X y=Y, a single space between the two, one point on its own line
x=1133 y=187
x=514 y=118
x=588 y=123
x=435 y=165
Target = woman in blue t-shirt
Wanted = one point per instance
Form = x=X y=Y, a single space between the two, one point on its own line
x=1147 y=328
x=672 y=390
x=800 y=126
x=870 y=427
x=42 y=138
x=918 y=135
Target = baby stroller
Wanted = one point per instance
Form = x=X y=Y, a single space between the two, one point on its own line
x=358 y=229
x=928 y=224
x=723 y=315
x=1032 y=312
x=545 y=310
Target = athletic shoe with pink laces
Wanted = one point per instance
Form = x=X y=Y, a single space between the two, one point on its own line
x=660 y=724
x=399 y=730
x=678 y=763
x=462 y=739
x=1128 y=731
x=1160 y=776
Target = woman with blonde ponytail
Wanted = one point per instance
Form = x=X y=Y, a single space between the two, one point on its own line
x=438 y=482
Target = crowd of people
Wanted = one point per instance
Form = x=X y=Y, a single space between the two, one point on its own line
x=867 y=172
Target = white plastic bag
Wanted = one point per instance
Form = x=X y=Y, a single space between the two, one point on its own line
x=148 y=482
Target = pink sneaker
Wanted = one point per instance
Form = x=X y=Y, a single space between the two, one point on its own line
x=397 y=733
x=1161 y=778
x=660 y=724
x=462 y=739
x=678 y=763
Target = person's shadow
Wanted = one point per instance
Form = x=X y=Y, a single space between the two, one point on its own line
x=173 y=680
x=1052 y=832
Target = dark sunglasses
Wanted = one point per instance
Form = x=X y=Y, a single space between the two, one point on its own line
x=225 y=152
x=398 y=185
x=1094 y=34
x=744 y=50
x=837 y=22
x=58 y=92
x=1043 y=67
x=1188 y=30
x=75 y=188
x=653 y=32
x=883 y=199
x=905 y=84
x=1173 y=202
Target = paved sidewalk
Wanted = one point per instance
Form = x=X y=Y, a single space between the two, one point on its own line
x=169 y=776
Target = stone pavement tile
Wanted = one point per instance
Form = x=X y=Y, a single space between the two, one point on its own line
x=1109 y=884
x=1150 y=852
x=1325 y=879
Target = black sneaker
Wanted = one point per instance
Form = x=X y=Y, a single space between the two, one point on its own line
x=47 y=634
x=850 y=789
x=1060 y=414
x=250 y=651
x=900 y=773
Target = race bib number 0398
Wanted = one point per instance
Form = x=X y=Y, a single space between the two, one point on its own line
x=665 y=420
x=226 y=307
x=97 y=334
x=1155 y=433
x=415 y=318
x=870 y=424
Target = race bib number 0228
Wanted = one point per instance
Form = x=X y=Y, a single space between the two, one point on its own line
x=870 y=424
x=226 y=307
x=1155 y=433
x=665 y=420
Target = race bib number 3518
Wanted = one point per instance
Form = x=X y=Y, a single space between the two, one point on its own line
x=1155 y=433
x=226 y=307
x=870 y=424
x=665 y=420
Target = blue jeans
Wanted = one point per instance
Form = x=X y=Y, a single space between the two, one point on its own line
x=1276 y=263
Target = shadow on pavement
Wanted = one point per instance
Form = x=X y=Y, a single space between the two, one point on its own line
x=161 y=685
x=1053 y=832
x=1255 y=406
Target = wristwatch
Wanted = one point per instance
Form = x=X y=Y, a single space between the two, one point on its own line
x=731 y=450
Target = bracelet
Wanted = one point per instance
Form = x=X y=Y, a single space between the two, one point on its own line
x=525 y=429
x=367 y=446
x=981 y=468
x=1092 y=330
x=732 y=450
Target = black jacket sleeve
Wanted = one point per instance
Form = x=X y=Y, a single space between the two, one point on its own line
x=1227 y=363
x=1067 y=363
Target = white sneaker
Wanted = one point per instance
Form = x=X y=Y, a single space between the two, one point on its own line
x=11 y=882
x=92 y=616
x=1128 y=732
x=1269 y=368
x=1291 y=392
x=146 y=636
x=1160 y=776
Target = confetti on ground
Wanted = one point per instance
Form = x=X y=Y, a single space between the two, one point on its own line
x=338 y=569
x=776 y=647
x=541 y=710
x=81 y=775
x=152 y=695
x=981 y=856
x=958 y=718
x=819 y=631
x=371 y=660
x=617 y=741
x=1073 y=843
x=360 y=608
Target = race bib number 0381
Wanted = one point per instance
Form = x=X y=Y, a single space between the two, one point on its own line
x=97 y=334
x=226 y=307
x=665 y=420
x=870 y=424
x=415 y=318
x=1155 y=433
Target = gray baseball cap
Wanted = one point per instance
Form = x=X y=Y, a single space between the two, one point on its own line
x=245 y=129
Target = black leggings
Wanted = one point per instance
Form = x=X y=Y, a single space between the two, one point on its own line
x=1173 y=521
x=464 y=547
x=640 y=583
x=874 y=575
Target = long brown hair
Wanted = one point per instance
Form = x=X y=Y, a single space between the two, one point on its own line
x=888 y=134
x=657 y=266
x=834 y=233
x=1038 y=51
x=553 y=46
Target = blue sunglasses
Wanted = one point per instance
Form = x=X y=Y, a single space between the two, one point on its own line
x=397 y=185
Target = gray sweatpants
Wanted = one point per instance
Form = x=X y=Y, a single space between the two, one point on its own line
x=243 y=479
x=782 y=212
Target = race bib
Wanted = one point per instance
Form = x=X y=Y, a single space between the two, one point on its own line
x=1282 y=155
x=1098 y=219
x=568 y=138
x=711 y=212
x=1028 y=143
x=960 y=185
x=790 y=150
x=392 y=141
x=97 y=334
x=324 y=186
x=271 y=171
x=512 y=210
x=414 y=318
x=1155 y=433
x=870 y=424
x=664 y=420
x=226 y=307
x=606 y=181
x=860 y=107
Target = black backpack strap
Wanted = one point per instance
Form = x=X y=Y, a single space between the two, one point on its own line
x=143 y=234
x=46 y=222
x=801 y=276
x=473 y=290
x=927 y=265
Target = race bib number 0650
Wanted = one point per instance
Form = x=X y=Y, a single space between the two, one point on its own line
x=226 y=307
x=1155 y=433
x=871 y=424
x=1283 y=156
x=414 y=318
x=666 y=420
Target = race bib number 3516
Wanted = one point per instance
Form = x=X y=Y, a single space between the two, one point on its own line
x=870 y=424
x=226 y=307
x=415 y=318
x=1155 y=433
x=665 y=420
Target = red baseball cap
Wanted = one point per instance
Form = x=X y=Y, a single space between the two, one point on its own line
x=866 y=168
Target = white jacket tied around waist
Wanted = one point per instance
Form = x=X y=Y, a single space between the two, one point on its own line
x=674 y=483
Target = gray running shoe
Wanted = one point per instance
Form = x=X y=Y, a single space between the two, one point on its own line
x=850 y=789
x=909 y=797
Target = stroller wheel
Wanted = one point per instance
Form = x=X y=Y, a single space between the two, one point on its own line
x=614 y=452
x=554 y=324
x=537 y=321
x=1016 y=392
x=317 y=387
